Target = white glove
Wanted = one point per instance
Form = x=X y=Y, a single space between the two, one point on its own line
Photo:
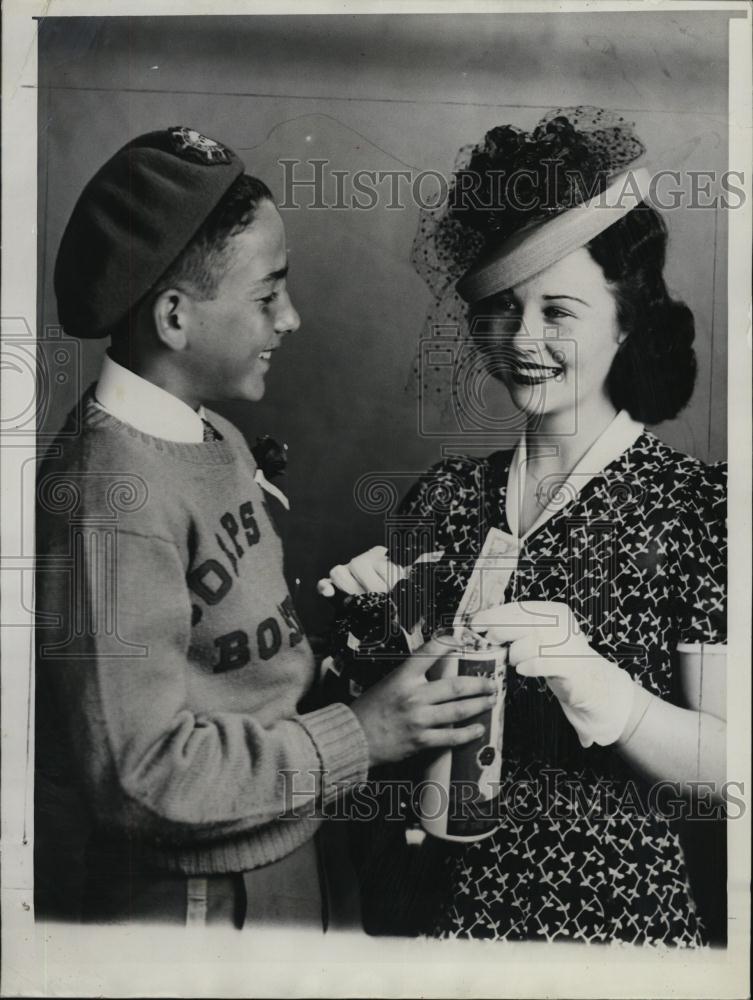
x=369 y=573
x=546 y=641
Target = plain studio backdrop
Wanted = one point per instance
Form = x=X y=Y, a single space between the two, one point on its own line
x=378 y=92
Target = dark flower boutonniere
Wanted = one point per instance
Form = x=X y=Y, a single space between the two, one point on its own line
x=270 y=456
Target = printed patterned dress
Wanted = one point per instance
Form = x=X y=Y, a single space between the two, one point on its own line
x=586 y=851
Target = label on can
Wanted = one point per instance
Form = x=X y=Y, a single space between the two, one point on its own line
x=476 y=767
x=461 y=793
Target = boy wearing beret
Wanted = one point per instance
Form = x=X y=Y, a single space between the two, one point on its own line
x=170 y=662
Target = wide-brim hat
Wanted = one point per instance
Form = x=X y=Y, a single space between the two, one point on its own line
x=538 y=245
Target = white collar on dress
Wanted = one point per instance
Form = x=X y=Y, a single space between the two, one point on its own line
x=618 y=436
x=145 y=406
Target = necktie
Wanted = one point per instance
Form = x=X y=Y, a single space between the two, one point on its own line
x=210 y=433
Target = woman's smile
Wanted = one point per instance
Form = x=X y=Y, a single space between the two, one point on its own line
x=525 y=372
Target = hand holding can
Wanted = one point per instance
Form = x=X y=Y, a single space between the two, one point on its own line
x=406 y=713
x=458 y=799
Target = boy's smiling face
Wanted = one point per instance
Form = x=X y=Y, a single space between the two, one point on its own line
x=232 y=336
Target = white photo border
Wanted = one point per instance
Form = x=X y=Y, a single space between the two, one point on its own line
x=74 y=961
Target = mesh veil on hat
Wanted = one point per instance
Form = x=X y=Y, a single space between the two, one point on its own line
x=133 y=219
x=518 y=202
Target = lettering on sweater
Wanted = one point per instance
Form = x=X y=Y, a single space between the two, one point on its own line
x=234 y=648
x=212 y=580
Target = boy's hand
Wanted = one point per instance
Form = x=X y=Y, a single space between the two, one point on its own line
x=406 y=713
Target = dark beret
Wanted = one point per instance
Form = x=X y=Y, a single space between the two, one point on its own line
x=133 y=219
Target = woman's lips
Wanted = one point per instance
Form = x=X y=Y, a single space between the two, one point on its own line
x=530 y=374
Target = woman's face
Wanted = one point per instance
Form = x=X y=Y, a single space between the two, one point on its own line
x=552 y=338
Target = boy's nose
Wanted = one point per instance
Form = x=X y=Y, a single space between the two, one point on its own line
x=288 y=320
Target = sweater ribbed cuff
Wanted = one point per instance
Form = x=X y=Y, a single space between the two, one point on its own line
x=341 y=745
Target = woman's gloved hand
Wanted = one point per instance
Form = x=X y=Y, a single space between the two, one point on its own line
x=371 y=572
x=546 y=641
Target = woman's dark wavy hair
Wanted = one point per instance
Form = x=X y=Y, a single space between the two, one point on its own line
x=654 y=371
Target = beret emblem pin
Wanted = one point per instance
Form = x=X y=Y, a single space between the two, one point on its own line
x=192 y=145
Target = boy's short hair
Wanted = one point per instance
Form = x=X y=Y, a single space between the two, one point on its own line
x=201 y=264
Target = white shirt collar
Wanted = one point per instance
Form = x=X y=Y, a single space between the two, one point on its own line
x=145 y=406
x=618 y=436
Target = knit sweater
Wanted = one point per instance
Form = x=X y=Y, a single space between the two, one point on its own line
x=170 y=662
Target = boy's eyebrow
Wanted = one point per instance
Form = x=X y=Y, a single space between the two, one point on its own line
x=573 y=297
x=274 y=276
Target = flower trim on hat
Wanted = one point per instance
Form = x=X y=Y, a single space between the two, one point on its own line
x=522 y=177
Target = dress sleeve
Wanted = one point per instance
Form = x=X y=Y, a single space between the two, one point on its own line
x=701 y=580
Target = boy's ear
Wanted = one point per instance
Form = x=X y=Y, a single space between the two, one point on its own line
x=171 y=312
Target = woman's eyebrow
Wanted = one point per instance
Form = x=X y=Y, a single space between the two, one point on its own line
x=573 y=297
